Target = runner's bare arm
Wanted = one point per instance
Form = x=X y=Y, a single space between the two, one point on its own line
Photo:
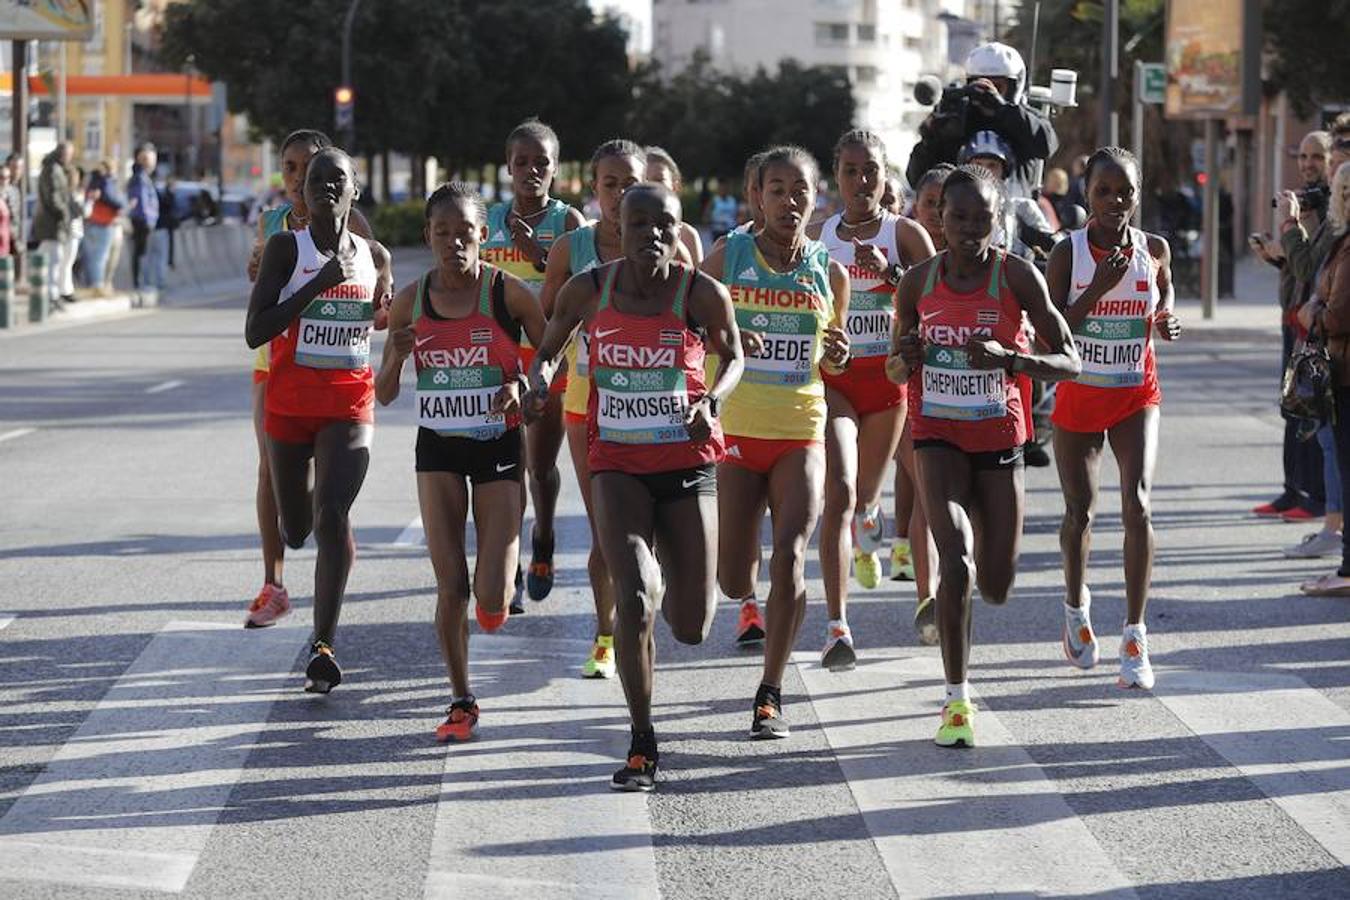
x=358 y=224
x=266 y=317
x=689 y=236
x=1165 y=318
x=710 y=303
x=524 y=308
x=714 y=263
x=1060 y=362
x=905 y=344
x=556 y=274
x=398 y=346
x=576 y=301
x=914 y=243
x=384 y=282
x=835 y=339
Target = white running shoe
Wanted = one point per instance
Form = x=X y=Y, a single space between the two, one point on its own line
x=1080 y=641
x=838 y=655
x=869 y=530
x=1315 y=546
x=1135 y=670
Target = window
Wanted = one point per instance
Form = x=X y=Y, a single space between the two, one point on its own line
x=867 y=34
x=867 y=75
x=93 y=134
x=831 y=32
x=913 y=43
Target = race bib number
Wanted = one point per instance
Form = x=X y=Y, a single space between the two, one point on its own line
x=335 y=334
x=871 y=315
x=788 y=356
x=641 y=406
x=1112 y=350
x=953 y=390
x=458 y=402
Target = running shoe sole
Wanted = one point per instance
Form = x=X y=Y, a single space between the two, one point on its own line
x=770 y=734
x=633 y=785
x=840 y=657
x=750 y=636
x=322 y=674
x=958 y=743
x=925 y=623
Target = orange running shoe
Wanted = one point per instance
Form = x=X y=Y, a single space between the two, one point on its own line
x=461 y=721
x=271 y=604
x=750 y=628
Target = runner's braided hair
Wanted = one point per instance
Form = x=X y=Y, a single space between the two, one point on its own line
x=1117 y=156
x=314 y=138
x=793 y=155
x=752 y=165
x=534 y=130
x=618 y=147
x=659 y=155
x=936 y=175
x=977 y=177
x=860 y=137
x=458 y=192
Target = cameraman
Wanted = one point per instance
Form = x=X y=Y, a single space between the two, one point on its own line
x=991 y=100
x=1298 y=256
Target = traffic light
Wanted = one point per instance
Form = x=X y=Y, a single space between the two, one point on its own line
x=343 y=119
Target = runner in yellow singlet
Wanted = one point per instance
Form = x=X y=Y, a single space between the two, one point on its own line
x=790 y=301
x=521 y=233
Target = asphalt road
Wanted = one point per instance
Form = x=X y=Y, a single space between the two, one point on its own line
x=148 y=744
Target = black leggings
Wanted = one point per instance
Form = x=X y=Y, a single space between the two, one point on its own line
x=341 y=454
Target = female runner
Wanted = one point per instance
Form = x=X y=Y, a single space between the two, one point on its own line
x=661 y=169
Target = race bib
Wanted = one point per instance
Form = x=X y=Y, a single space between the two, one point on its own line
x=1112 y=350
x=458 y=402
x=641 y=406
x=871 y=314
x=953 y=390
x=789 y=353
x=335 y=334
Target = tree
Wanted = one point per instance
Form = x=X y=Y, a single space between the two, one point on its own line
x=711 y=122
x=1306 y=41
x=432 y=77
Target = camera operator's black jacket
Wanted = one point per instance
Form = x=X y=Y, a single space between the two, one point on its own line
x=1026 y=130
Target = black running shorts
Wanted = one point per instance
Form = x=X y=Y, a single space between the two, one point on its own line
x=986 y=461
x=479 y=461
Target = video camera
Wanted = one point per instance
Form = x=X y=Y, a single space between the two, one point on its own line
x=951 y=104
x=1316 y=198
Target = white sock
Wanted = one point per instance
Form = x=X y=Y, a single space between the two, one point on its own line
x=1139 y=630
x=958 y=691
x=841 y=624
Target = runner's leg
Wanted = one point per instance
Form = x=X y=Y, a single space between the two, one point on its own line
x=686 y=539
x=496 y=519
x=1078 y=457
x=544 y=439
x=742 y=496
x=795 y=487
x=946 y=489
x=841 y=481
x=1135 y=444
x=265 y=501
x=341 y=458
x=997 y=520
x=444 y=501
x=289 y=466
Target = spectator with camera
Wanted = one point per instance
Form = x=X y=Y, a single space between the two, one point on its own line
x=992 y=99
x=1328 y=313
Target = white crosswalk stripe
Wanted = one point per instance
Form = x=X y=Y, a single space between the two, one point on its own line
x=535 y=815
x=1285 y=737
x=926 y=806
x=130 y=800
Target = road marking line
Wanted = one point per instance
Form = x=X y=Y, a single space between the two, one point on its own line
x=1286 y=737
x=5 y=621
x=412 y=536
x=165 y=386
x=542 y=811
x=16 y=433
x=925 y=805
x=131 y=799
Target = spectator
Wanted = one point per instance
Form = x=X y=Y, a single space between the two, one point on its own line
x=161 y=239
x=78 y=206
x=722 y=209
x=143 y=211
x=12 y=195
x=1078 y=169
x=1329 y=311
x=1024 y=229
x=996 y=80
x=1054 y=199
x=51 y=223
x=6 y=217
x=106 y=203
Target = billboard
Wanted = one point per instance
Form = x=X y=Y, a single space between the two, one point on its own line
x=46 y=20
x=1212 y=55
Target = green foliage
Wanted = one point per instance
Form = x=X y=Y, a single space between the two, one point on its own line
x=712 y=121
x=1307 y=42
x=447 y=78
x=400 y=224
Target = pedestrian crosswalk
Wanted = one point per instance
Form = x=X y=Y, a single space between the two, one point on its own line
x=132 y=798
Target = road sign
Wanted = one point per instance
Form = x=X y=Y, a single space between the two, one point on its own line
x=1152 y=84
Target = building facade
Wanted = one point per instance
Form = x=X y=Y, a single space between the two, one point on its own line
x=883 y=46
